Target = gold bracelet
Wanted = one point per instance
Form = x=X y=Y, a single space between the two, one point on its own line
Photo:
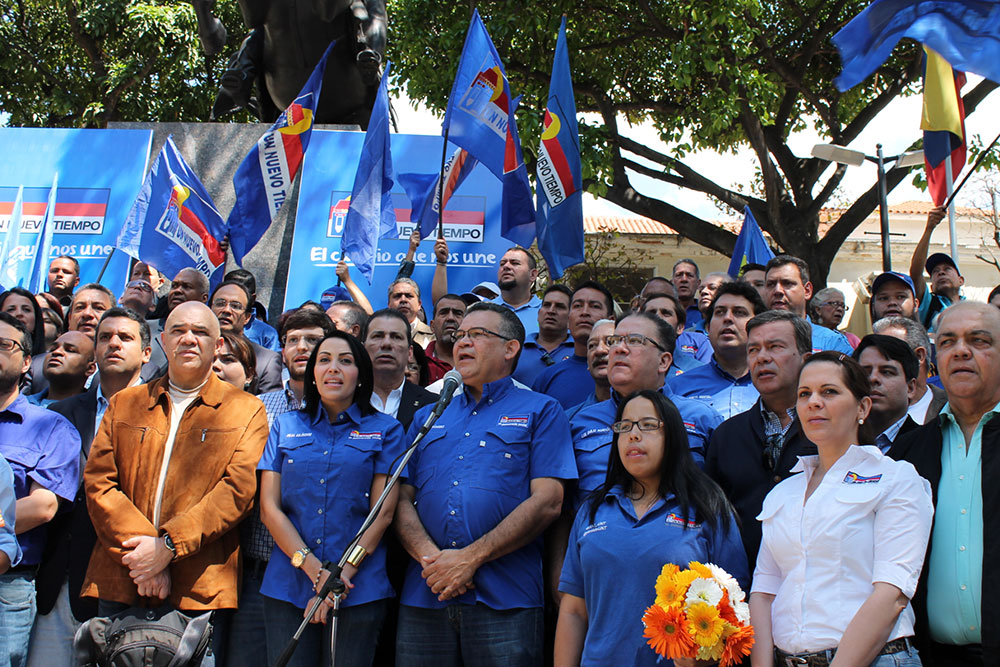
x=357 y=555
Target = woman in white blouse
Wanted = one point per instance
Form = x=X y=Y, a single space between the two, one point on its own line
x=843 y=542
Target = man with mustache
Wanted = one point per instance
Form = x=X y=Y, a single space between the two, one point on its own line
x=724 y=383
x=754 y=450
x=597 y=364
x=892 y=370
x=230 y=302
x=552 y=342
x=569 y=381
x=68 y=364
x=516 y=273
x=404 y=296
x=448 y=313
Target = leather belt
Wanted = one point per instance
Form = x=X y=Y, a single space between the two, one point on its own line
x=824 y=658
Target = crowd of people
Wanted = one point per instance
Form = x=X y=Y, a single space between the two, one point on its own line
x=169 y=447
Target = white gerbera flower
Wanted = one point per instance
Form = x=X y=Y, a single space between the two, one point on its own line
x=703 y=590
x=728 y=582
x=742 y=611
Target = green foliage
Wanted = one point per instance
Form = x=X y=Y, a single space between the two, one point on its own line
x=84 y=63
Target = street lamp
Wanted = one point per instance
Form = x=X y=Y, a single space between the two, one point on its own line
x=835 y=153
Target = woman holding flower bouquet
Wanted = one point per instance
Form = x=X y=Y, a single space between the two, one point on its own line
x=655 y=507
x=843 y=542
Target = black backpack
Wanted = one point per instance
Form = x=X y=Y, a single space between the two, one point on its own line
x=139 y=637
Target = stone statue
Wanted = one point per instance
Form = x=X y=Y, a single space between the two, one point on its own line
x=286 y=40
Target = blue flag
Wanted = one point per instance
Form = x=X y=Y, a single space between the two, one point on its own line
x=173 y=223
x=965 y=32
x=371 y=215
x=480 y=119
x=40 y=265
x=558 y=175
x=751 y=248
x=264 y=179
x=8 y=254
x=423 y=190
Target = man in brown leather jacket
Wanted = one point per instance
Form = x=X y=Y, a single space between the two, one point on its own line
x=170 y=474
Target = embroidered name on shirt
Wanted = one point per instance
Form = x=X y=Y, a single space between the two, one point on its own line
x=594 y=431
x=516 y=420
x=595 y=528
x=679 y=521
x=298 y=435
x=855 y=478
x=358 y=435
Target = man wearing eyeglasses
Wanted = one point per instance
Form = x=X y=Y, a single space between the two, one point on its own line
x=43 y=450
x=138 y=296
x=639 y=355
x=230 y=302
x=754 y=450
x=481 y=488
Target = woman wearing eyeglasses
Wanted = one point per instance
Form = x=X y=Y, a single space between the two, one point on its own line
x=655 y=507
x=323 y=468
x=827 y=309
x=843 y=541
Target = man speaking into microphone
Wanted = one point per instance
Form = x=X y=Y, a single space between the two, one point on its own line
x=481 y=487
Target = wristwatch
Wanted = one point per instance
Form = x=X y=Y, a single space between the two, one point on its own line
x=169 y=544
x=299 y=557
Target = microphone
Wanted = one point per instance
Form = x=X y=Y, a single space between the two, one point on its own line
x=452 y=381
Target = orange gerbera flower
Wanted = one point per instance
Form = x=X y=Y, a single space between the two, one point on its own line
x=701 y=570
x=704 y=624
x=726 y=610
x=738 y=645
x=666 y=632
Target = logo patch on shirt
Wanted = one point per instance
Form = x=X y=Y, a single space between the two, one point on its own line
x=677 y=520
x=358 y=435
x=514 y=420
x=691 y=427
x=855 y=478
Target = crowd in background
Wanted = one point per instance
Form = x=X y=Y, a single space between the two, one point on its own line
x=174 y=445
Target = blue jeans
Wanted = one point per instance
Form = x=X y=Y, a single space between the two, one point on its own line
x=17 y=615
x=469 y=636
x=357 y=634
x=248 y=631
x=907 y=658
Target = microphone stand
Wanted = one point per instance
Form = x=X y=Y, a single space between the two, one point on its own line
x=334 y=584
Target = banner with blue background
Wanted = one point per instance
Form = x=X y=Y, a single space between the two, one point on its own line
x=100 y=172
x=471 y=222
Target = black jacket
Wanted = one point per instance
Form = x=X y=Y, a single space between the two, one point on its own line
x=71 y=536
x=922 y=448
x=414 y=397
x=735 y=460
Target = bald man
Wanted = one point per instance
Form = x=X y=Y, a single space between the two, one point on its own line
x=171 y=473
x=68 y=364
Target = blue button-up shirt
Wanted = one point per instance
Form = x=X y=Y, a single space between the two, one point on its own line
x=955 y=563
x=534 y=358
x=41 y=446
x=693 y=319
x=262 y=333
x=326 y=477
x=526 y=312
x=613 y=560
x=717 y=389
x=8 y=502
x=569 y=382
x=472 y=470
x=828 y=339
x=694 y=343
x=591 y=431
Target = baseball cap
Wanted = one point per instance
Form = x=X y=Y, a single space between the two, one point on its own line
x=883 y=278
x=939 y=258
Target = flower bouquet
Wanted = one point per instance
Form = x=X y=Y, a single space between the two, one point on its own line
x=699 y=613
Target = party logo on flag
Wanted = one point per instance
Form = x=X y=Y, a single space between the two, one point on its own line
x=464 y=221
x=182 y=226
x=78 y=210
x=487 y=100
x=555 y=176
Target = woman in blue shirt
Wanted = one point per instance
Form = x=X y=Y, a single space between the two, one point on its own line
x=322 y=470
x=655 y=507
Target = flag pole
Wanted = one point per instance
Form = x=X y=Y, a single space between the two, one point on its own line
x=949 y=182
x=440 y=197
x=107 y=260
x=979 y=161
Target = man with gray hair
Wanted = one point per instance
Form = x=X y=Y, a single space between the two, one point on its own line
x=404 y=296
x=752 y=451
x=927 y=399
x=348 y=316
x=480 y=489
